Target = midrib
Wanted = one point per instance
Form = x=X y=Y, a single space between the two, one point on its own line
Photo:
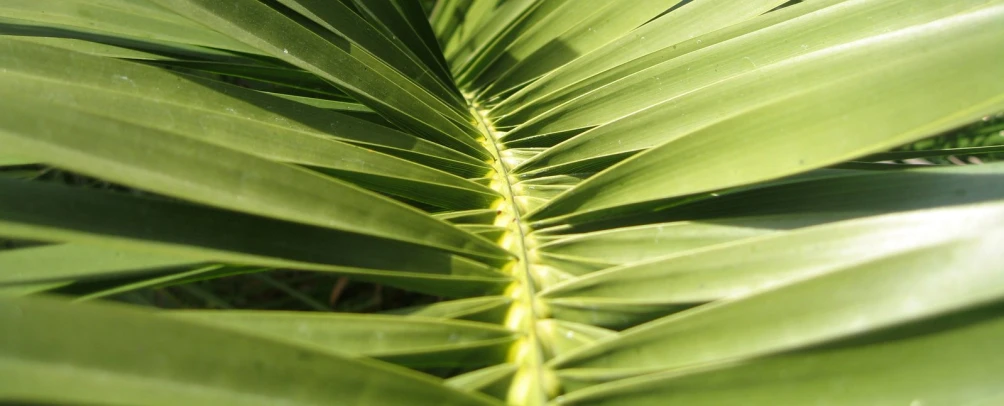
x=533 y=384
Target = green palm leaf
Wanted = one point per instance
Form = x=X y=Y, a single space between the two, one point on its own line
x=520 y=202
x=100 y=364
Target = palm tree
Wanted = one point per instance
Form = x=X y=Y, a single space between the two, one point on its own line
x=707 y=202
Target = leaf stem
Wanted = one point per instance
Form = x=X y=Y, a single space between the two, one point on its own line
x=533 y=383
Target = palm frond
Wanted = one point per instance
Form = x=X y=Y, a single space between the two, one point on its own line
x=708 y=202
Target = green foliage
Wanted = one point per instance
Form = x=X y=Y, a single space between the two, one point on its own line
x=488 y=202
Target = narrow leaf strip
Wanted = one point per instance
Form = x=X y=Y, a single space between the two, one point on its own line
x=98 y=353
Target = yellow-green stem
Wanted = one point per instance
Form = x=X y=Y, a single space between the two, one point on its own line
x=533 y=383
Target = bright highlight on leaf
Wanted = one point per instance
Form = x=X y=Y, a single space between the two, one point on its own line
x=501 y=202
